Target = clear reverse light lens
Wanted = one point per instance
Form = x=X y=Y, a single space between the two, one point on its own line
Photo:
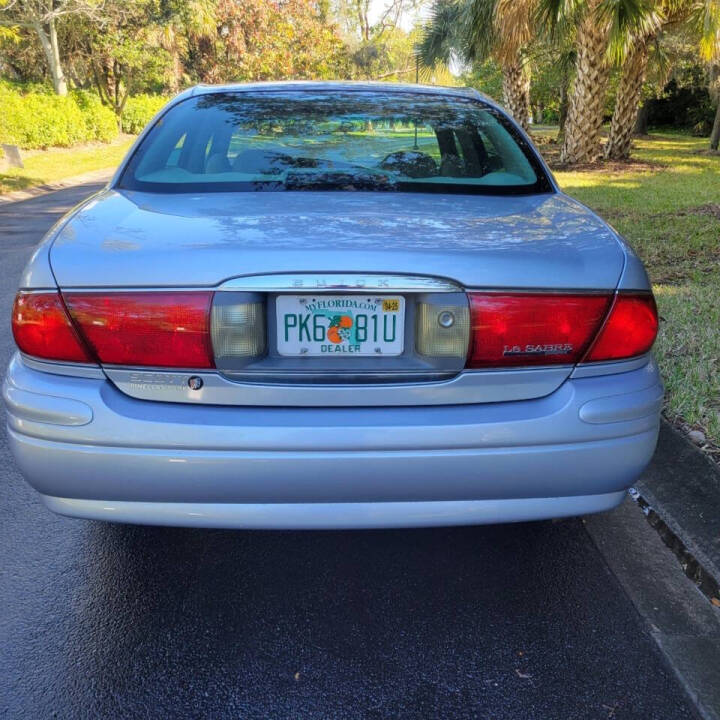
x=442 y=330
x=238 y=330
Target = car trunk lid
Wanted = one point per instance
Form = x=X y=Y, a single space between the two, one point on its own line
x=131 y=239
x=445 y=244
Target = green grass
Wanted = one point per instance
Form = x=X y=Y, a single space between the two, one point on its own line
x=667 y=205
x=48 y=166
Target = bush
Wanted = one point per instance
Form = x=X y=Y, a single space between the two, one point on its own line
x=100 y=121
x=40 y=119
x=139 y=110
x=685 y=103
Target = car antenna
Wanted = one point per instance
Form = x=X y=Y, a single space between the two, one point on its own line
x=417 y=82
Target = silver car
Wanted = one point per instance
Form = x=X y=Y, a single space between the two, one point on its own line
x=332 y=305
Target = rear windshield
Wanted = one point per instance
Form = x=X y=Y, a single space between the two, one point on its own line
x=250 y=141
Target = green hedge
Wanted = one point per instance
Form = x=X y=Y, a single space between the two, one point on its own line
x=100 y=121
x=40 y=119
x=139 y=110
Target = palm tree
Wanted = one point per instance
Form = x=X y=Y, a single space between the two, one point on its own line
x=596 y=22
x=180 y=23
x=633 y=52
x=512 y=22
x=585 y=111
x=473 y=30
x=706 y=21
x=715 y=134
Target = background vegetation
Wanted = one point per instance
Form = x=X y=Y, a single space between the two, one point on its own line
x=578 y=63
x=65 y=63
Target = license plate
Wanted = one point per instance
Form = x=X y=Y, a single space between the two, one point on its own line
x=340 y=325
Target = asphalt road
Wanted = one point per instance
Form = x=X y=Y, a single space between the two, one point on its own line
x=109 y=621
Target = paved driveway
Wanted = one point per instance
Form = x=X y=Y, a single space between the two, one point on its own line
x=105 y=621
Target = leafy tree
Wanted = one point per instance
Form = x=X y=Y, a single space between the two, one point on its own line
x=487 y=78
x=122 y=54
x=182 y=24
x=42 y=16
x=391 y=56
x=379 y=47
x=21 y=56
x=271 y=40
x=552 y=65
x=354 y=17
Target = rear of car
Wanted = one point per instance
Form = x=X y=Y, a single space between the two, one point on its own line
x=332 y=305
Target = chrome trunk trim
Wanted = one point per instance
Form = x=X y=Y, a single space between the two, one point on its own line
x=468 y=387
x=334 y=282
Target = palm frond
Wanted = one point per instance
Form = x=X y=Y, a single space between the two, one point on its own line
x=514 y=29
x=480 y=33
x=660 y=64
x=631 y=22
x=464 y=29
x=706 y=20
x=442 y=34
x=438 y=74
x=552 y=14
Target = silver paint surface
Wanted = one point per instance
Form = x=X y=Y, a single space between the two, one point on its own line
x=139 y=452
x=131 y=239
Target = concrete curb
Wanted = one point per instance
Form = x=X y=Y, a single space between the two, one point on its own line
x=682 y=486
x=19 y=195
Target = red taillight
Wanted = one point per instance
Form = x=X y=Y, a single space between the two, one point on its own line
x=152 y=329
x=630 y=330
x=520 y=329
x=42 y=328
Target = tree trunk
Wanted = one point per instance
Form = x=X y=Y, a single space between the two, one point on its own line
x=177 y=69
x=581 y=142
x=59 y=81
x=563 y=109
x=641 y=123
x=48 y=39
x=715 y=134
x=626 y=103
x=516 y=92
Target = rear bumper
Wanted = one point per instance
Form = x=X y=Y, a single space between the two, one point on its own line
x=93 y=452
x=326 y=516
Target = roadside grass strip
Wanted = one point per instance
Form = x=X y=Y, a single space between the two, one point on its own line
x=47 y=166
